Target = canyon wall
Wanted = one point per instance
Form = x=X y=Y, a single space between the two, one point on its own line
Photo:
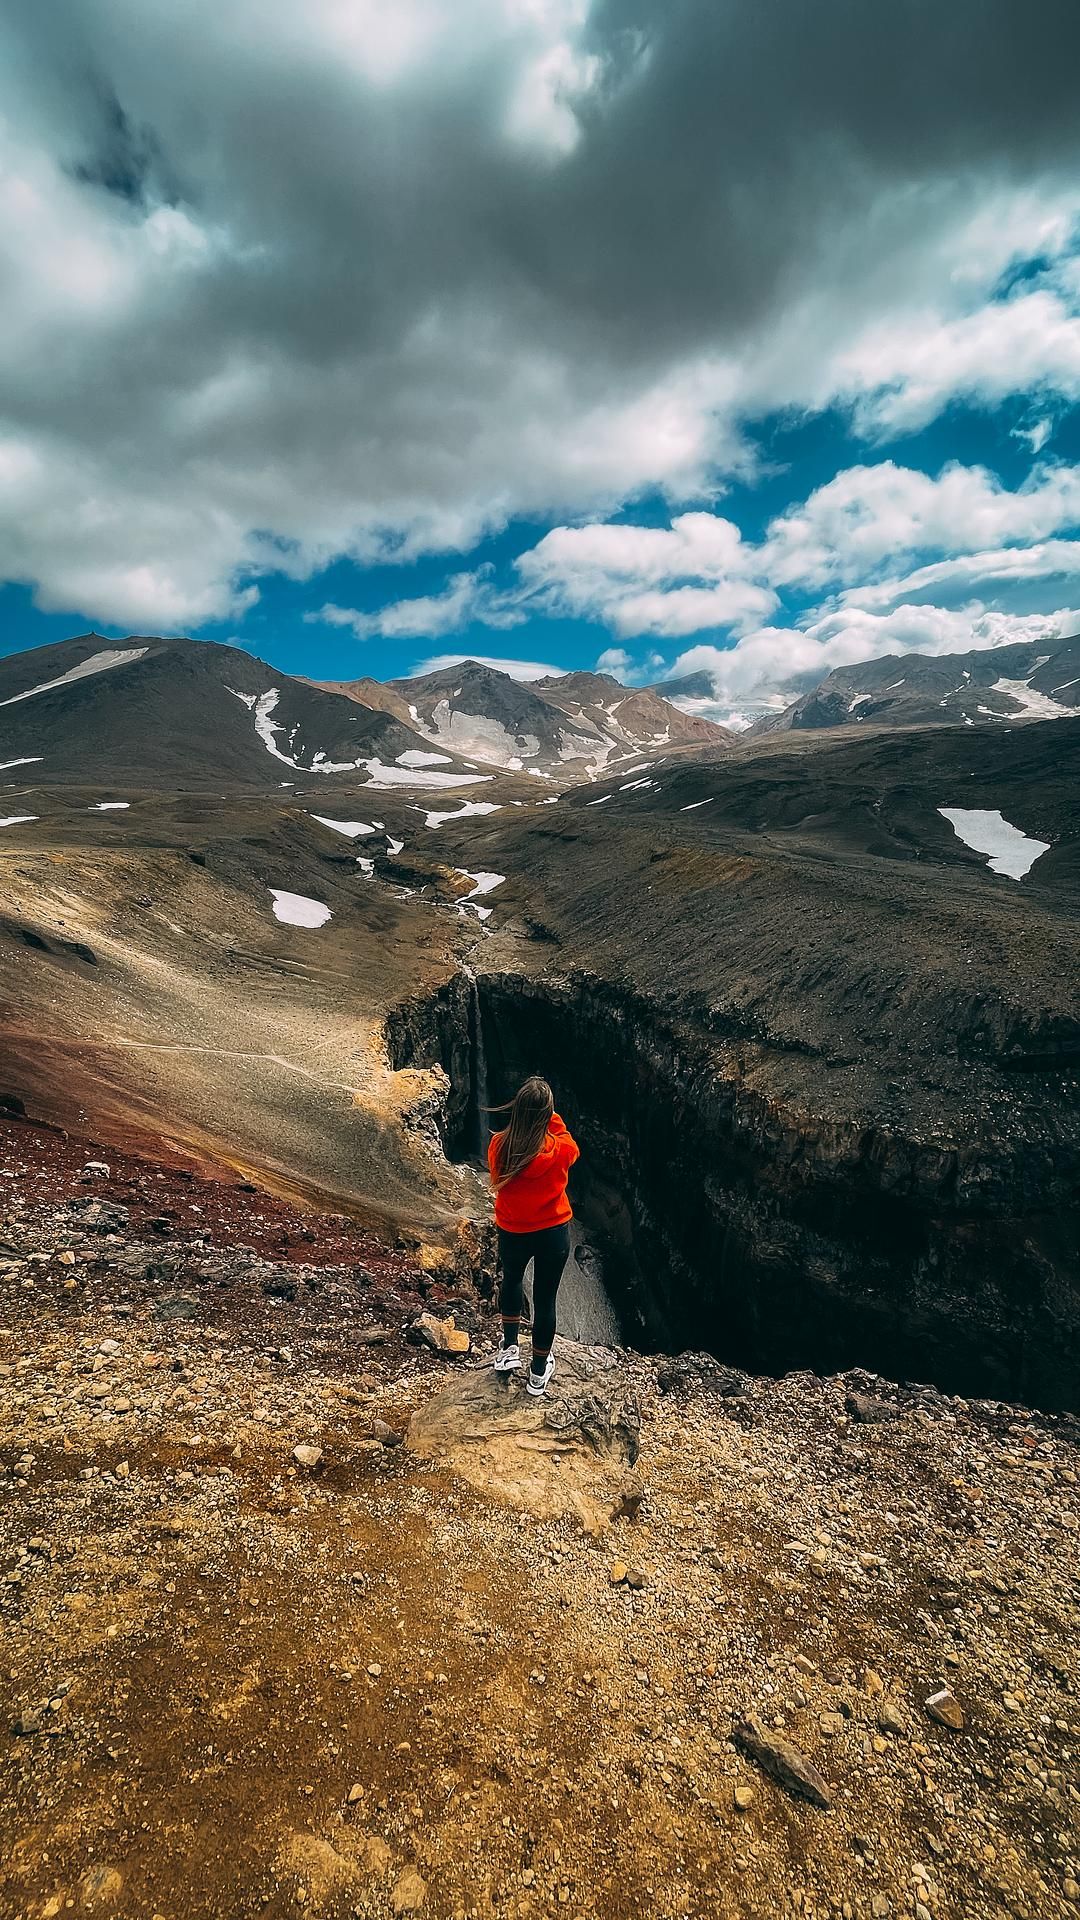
x=774 y=1239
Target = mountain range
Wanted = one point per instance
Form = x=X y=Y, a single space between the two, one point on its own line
x=1036 y=681
x=571 y=725
x=185 y=710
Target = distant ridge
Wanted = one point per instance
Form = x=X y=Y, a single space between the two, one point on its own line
x=986 y=687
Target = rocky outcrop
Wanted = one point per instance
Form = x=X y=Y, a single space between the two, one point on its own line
x=566 y=1454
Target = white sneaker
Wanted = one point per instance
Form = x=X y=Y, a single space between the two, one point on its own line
x=537 y=1383
x=508 y=1359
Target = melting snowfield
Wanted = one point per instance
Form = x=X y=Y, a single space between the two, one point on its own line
x=985 y=830
x=297 y=910
x=1036 y=705
x=97 y=663
x=352 y=829
x=263 y=706
x=468 y=806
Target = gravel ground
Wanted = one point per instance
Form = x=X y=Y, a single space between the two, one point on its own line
x=237 y=1681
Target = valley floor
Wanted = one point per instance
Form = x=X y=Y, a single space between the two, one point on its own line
x=404 y=1678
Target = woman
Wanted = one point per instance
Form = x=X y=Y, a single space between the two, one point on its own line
x=529 y=1162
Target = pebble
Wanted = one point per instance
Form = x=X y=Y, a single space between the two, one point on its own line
x=410 y=1892
x=890 y=1719
x=307 y=1456
x=945 y=1708
x=743 y=1798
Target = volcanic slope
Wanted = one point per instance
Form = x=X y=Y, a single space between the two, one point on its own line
x=568 y=726
x=826 y=1057
x=167 y=712
x=1040 y=681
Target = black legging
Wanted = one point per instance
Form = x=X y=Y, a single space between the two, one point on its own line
x=549 y=1251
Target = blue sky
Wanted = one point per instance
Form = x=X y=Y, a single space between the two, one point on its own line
x=571 y=332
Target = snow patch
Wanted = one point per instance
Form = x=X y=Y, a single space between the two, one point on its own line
x=984 y=830
x=1038 y=706
x=415 y=757
x=296 y=910
x=352 y=829
x=27 y=760
x=482 y=882
x=393 y=846
x=698 y=803
x=109 y=806
x=366 y=867
x=17 y=819
x=860 y=700
x=468 y=807
x=600 y=802
x=97 y=663
x=383 y=776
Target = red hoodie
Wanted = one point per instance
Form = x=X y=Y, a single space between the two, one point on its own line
x=536 y=1197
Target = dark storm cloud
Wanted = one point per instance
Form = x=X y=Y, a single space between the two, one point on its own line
x=358 y=274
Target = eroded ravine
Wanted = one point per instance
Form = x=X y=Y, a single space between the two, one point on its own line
x=772 y=1238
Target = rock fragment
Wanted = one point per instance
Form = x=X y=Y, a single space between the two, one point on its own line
x=945 y=1708
x=410 y=1892
x=868 y=1410
x=307 y=1456
x=442 y=1336
x=780 y=1758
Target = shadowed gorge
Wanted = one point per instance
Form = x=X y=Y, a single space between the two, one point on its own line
x=725 y=1225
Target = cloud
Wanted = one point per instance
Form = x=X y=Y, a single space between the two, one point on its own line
x=901 y=375
x=662 y=580
x=867 y=515
x=283 y=286
x=466 y=597
x=614 y=660
x=699 y=575
x=969 y=572
x=517 y=669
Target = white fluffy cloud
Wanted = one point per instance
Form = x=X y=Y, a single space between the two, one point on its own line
x=466 y=597
x=283 y=285
x=662 y=580
x=868 y=515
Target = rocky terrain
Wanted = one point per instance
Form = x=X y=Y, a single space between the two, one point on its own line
x=571 y=725
x=300 y=1616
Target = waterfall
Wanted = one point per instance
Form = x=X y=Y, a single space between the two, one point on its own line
x=477 y=1065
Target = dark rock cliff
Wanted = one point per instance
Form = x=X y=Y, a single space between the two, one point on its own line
x=773 y=1237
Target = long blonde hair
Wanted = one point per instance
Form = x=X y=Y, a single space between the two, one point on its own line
x=526 y=1130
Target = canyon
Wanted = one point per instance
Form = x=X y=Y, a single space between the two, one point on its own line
x=823 y=1060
